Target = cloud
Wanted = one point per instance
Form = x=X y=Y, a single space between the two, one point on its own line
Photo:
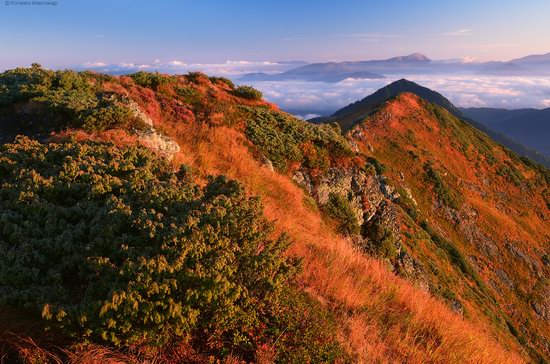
x=230 y=68
x=468 y=59
x=463 y=90
x=94 y=64
x=465 y=32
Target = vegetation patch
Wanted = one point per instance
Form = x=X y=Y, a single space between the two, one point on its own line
x=284 y=139
x=510 y=173
x=248 y=92
x=151 y=80
x=111 y=246
x=69 y=99
x=378 y=166
x=443 y=192
x=339 y=208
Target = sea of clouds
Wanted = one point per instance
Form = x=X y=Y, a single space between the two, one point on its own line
x=309 y=99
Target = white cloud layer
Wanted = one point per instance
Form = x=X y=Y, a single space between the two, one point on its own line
x=463 y=91
x=228 y=68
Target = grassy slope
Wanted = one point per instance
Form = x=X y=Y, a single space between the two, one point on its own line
x=501 y=203
x=381 y=317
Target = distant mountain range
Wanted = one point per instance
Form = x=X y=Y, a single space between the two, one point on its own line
x=415 y=63
x=528 y=126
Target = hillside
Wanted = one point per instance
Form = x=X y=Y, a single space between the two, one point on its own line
x=303 y=247
x=531 y=127
x=457 y=189
x=349 y=115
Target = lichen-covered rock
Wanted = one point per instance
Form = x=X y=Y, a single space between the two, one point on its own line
x=149 y=136
x=363 y=190
x=157 y=142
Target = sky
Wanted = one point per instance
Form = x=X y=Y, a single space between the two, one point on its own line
x=76 y=32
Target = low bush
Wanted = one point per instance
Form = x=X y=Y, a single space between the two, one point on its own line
x=443 y=192
x=224 y=80
x=339 y=208
x=378 y=166
x=111 y=246
x=248 y=92
x=284 y=139
x=510 y=173
x=69 y=98
x=150 y=79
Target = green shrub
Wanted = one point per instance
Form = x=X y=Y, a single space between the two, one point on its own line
x=443 y=192
x=150 y=79
x=378 y=166
x=188 y=95
x=106 y=118
x=382 y=239
x=510 y=173
x=225 y=80
x=69 y=99
x=112 y=246
x=283 y=138
x=339 y=208
x=248 y=92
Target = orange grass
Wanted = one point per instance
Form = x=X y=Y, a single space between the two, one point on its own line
x=381 y=317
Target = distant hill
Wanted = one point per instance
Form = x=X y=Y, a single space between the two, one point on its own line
x=415 y=63
x=337 y=71
x=530 y=127
x=507 y=69
x=355 y=112
x=352 y=113
x=460 y=187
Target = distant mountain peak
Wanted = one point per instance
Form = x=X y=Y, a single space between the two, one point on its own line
x=414 y=57
x=353 y=113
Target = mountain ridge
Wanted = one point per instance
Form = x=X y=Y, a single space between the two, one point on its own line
x=339 y=197
x=352 y=113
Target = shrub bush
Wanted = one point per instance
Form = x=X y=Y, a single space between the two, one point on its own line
x=443 y=192
x=248 y=92
x=150 y=79
x=339 y=208
x=105 y=118
x=224 y=80
x=378 y=166
x=70 y=99
x=283 y=139
x=112 y=246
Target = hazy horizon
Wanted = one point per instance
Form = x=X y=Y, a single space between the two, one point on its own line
x=68 y=34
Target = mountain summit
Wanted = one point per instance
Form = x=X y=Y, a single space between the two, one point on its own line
x=349 y=115
x=414 y=57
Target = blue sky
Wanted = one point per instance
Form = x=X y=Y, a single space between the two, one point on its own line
x=74 y=32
